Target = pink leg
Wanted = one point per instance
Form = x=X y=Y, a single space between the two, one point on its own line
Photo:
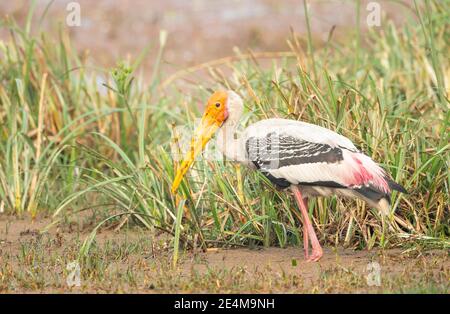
x=305 y=235
x=305 y=242
x=317 y=251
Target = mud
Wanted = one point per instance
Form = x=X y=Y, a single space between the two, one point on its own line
x=35 y=262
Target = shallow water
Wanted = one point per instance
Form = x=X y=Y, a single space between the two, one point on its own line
x=199 y=30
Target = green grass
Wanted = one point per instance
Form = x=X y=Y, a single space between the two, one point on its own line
x=68 y=145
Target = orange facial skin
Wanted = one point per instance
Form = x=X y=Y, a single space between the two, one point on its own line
x=216 y=111
x=215 y=115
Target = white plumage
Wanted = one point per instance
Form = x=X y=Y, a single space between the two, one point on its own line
x=306 y=131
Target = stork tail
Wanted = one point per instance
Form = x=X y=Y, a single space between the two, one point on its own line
x=395 y=186
x=379 y=199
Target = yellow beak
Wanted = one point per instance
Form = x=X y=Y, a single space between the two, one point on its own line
x=201 y=137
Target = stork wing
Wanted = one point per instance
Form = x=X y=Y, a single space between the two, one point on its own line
x=275 y=151
x=299 y=130
x=300 y=153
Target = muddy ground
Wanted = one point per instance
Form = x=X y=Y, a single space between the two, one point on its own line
x=133 y=260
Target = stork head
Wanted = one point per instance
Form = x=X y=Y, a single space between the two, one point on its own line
x=221 y=106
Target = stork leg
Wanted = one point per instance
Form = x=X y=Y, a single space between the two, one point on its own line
x=317 y=251
x=305 y=234
x=305 y=242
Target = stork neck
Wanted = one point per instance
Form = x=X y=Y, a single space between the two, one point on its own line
x=228 y=142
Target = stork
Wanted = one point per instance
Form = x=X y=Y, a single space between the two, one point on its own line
x=308 y=159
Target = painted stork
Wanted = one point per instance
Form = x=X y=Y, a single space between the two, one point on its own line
x=308 y=159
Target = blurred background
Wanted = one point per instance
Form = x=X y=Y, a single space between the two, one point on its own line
x=199 y=30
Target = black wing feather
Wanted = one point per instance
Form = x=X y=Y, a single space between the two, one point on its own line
x=275 y=151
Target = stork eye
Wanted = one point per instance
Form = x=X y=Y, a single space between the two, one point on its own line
x=217 y=104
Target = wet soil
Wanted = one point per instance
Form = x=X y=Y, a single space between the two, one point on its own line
x=134 y=260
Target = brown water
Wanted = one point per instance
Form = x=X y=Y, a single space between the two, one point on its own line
x=199 y=30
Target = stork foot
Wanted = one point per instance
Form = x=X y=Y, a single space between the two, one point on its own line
x=316 y=255
x=308 y=230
